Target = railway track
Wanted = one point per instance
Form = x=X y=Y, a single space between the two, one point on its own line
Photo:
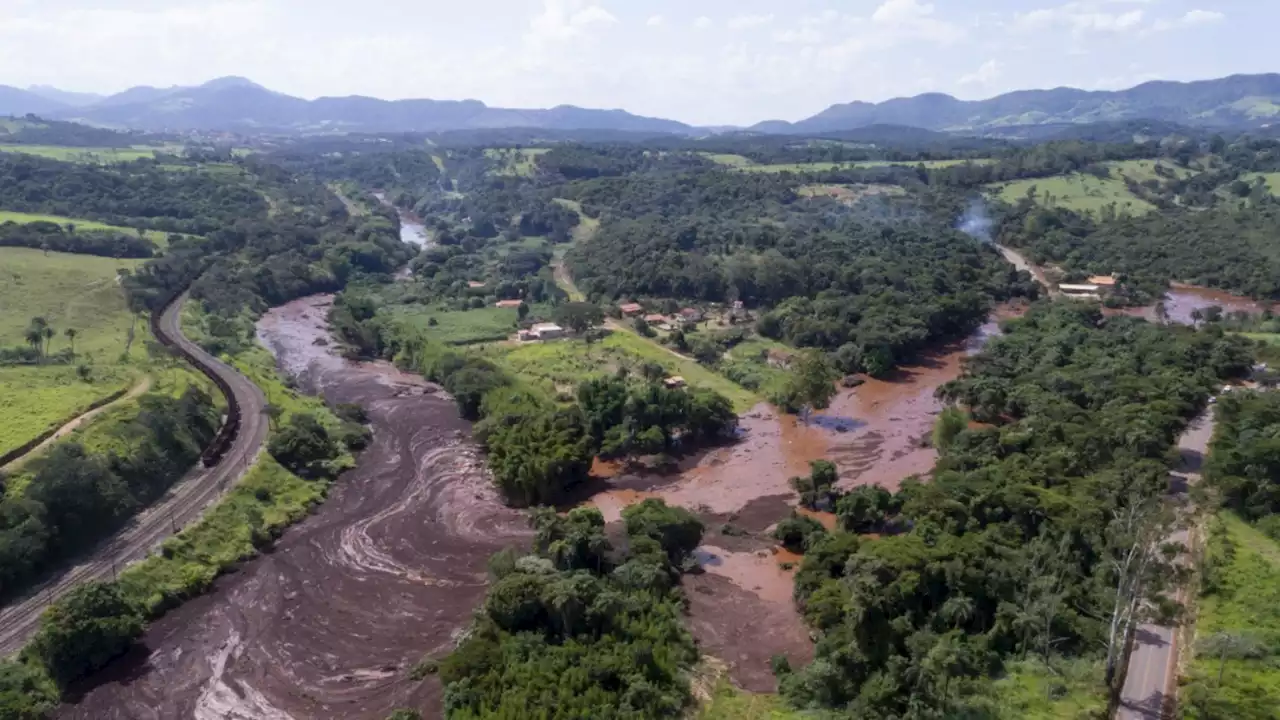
x=228 y=457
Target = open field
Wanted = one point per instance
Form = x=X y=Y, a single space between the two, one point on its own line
x=69 y=291
x=1144 y=170
x=849 y=194
x=560 y=365
x=486 y=324
x=1242 y=612
x=1029 y=691
x=729 y=703
x=748 y=365
x=728 y=159
x=588 y=226
x=823 y=166
x=1078 y=191
x=1272 y=180
x=34 y=400
x=161 y=239
x=90 y=155
x=515 y=161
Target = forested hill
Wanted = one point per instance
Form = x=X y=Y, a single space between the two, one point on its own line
x=1236 y=101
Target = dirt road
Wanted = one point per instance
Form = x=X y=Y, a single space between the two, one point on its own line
x=1152 y=677
x=328 y=623
x=184 y=502
x=139 y=388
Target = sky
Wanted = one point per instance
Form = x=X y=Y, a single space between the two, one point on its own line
x=705 y=62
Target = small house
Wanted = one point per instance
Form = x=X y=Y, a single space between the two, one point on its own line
x=630 y=309
x=674 y=382
x=779 y=358
x=508 y=303
x=656 y=319
x=1103 y=281
x=546 y=331
x=690 y=316
x=475 y=284
x=1080 y=291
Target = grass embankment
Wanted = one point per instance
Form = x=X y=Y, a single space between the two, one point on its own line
x=161 y=239
x=557 y=367
x=1236 y=669
x=89 y=155
x=77 y=292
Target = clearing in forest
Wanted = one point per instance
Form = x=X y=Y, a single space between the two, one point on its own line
x=1078 y=191
x=89 y=155
x=161 y=239
x=558 y=366
x=515 y=161
x=825 y=166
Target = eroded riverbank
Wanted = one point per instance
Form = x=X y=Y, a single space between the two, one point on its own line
x=327 y=624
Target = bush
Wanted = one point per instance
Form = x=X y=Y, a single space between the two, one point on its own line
x=88 y=628
x=304 y=447
x=798 y=533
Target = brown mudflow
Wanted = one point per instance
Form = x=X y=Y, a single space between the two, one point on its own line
x=741 y=609
x=392 y=565
x=328 y=623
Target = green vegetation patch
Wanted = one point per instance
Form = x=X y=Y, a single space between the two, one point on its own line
x=87 y=155
x=81 y=292
x=825 y=166
x=514 y=161
x=161 y=239
x=37 y=399
x=558 y=367
x=729 y=703
x=439 y=324
x=1072 y=690
x=1271 y=179
x=1236 y=670
x=1078 y=191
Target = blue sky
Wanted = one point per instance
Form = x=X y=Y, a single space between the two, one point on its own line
x=700 y=61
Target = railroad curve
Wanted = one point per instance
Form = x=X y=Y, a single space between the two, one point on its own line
x=232 y=452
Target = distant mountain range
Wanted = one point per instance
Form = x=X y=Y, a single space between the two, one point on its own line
x=1236 y=102
x=237 y=104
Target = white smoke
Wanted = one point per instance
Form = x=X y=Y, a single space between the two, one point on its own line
x=976 y=222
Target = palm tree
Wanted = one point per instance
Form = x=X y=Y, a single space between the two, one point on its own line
x=48 y=338
x=36 y=333
x=958 y=610
x=71 y=338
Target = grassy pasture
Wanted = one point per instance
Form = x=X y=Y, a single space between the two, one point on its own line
x=824 y=166
x=88 y=155
x=515 y=161
x=69 y=291
x=1272 y=180
x=486 y=324
x=34 y=400
x=1078 y=191
x=1244 y=605
x=562 y=364
x=161 y=239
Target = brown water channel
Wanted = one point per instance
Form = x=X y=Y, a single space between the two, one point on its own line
x=327 y=624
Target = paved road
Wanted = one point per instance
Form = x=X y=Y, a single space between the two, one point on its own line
x=1152 y=678
x=184 y=503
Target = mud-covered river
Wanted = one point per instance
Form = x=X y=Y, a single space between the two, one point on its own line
x=327 y=624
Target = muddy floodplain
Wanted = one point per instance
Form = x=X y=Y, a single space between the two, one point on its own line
x=327 y=624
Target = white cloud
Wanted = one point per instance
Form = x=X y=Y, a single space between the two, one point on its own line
x=702 y=23
x=1080 y=17
x=744 y=22
x=988 y=73
x=905 y=19
x=1202 y=17
x=655 y=21
x=566 y=19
